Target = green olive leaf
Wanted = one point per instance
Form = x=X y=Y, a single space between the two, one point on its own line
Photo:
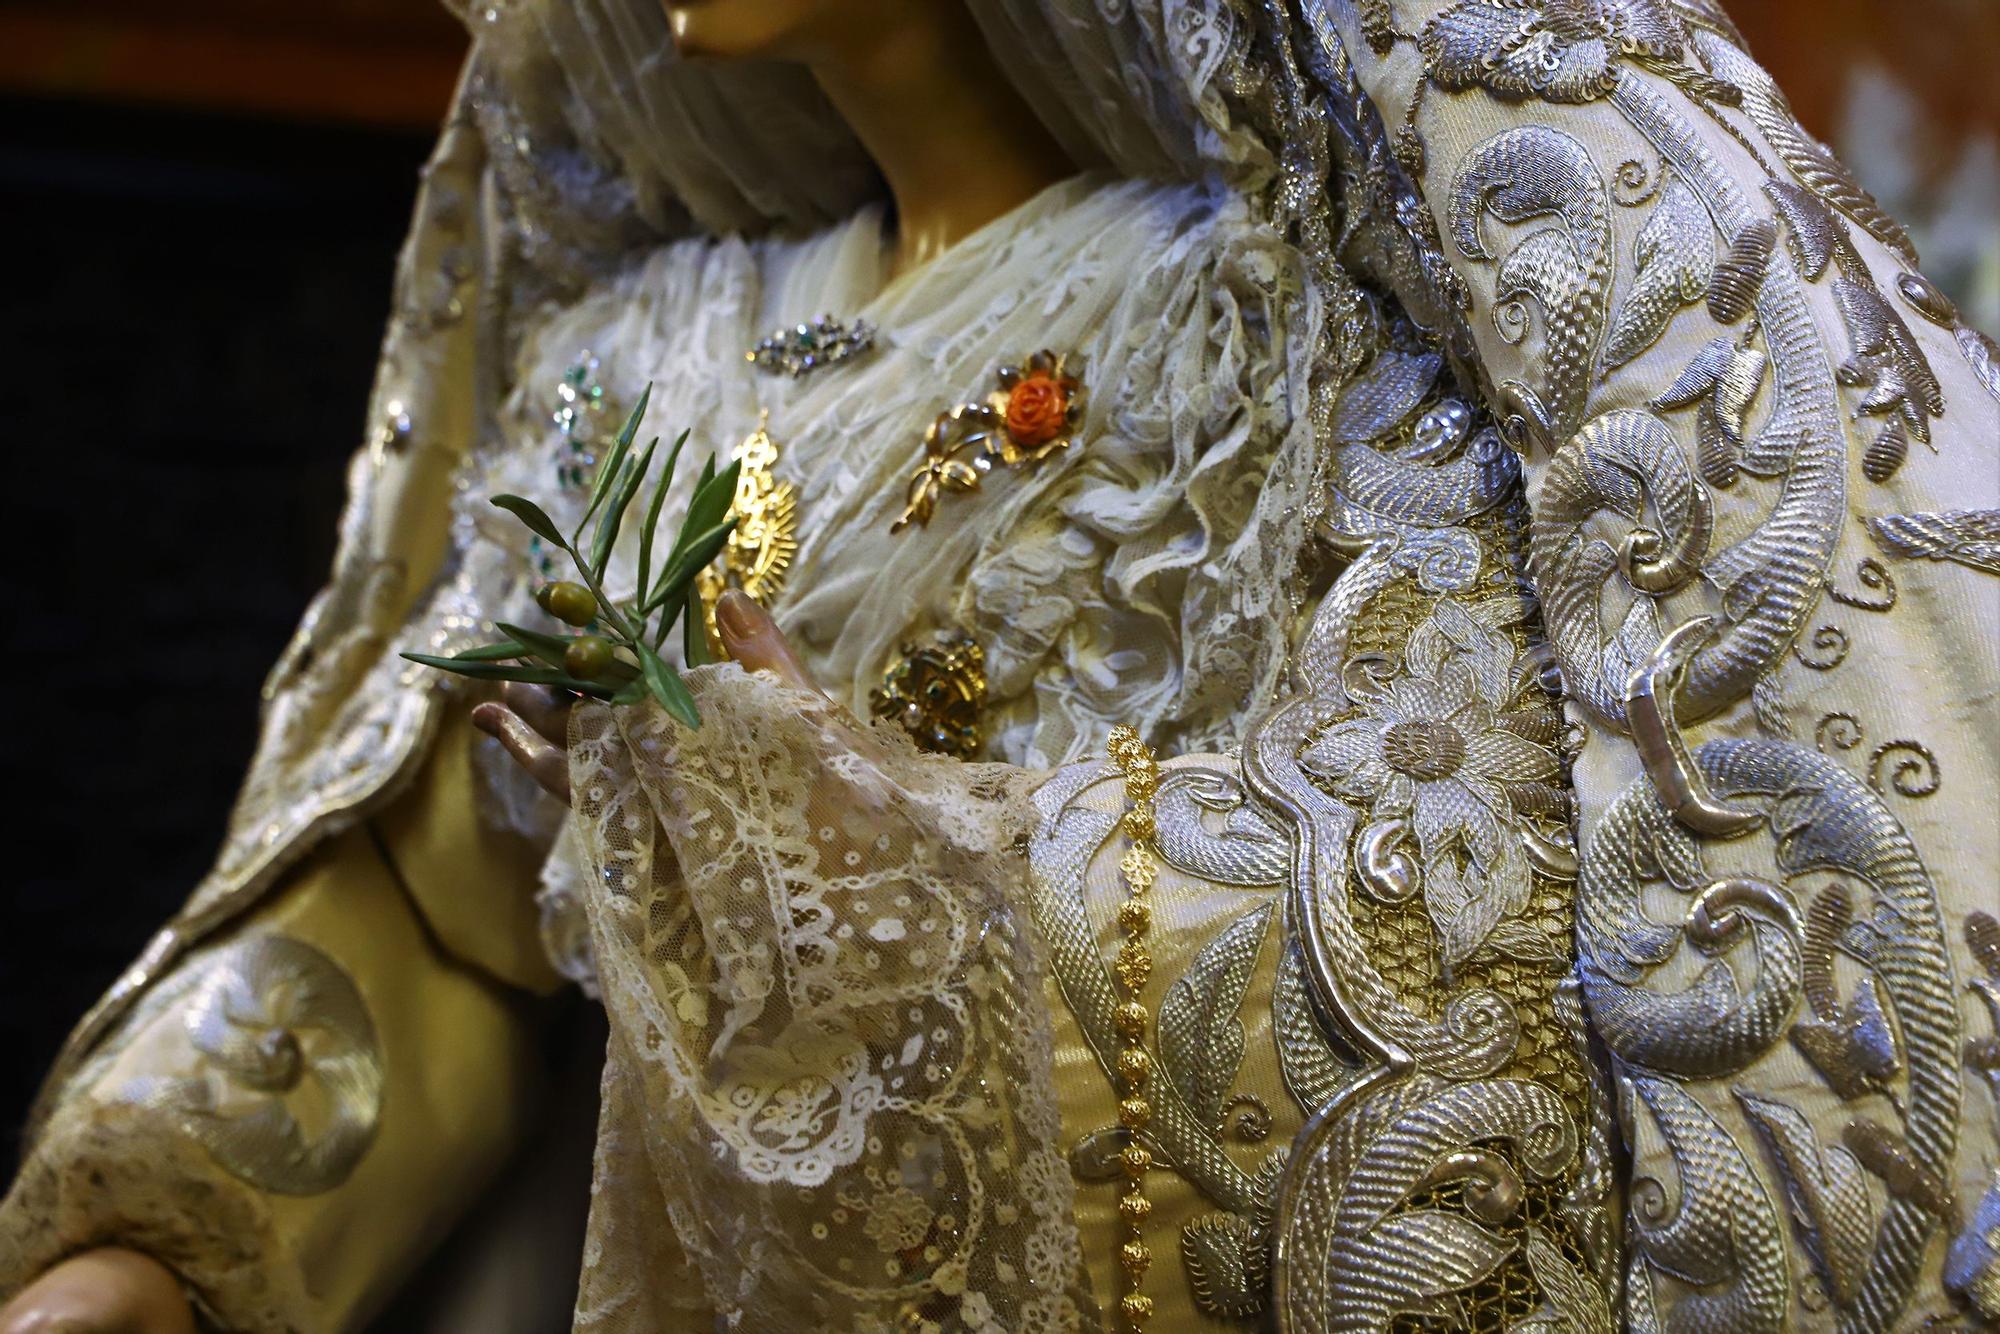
x=694 y=634
x=630 y=430
x=667 y=687
x=669 y=611
x=531 y=514
x=496 y=671
x=688 y=561
x=613 y=519
x=505 y=651
x=711 y=502
x=659 y=501
x=614 y=459
x=549 y=648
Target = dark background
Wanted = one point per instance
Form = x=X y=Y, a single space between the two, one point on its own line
x=201 y=205
x=192 y=306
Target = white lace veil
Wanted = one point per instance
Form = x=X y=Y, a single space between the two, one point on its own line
x=604 y=135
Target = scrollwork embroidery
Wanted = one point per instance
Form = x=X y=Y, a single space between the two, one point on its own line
x=1871 y=574
x=289 y=1087
x=1897 y=1035
x=1969 y=537
x=1914 y=774
x=1529 y=172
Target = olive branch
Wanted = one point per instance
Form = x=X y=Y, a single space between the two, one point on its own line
x=617 y=659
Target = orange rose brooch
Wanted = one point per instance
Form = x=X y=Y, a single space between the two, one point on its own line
x=1033 y=413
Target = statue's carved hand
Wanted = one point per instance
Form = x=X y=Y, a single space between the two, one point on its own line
x=532 y=722
x=105 y=1291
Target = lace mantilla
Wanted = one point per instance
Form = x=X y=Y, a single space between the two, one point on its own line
x=828 y=1025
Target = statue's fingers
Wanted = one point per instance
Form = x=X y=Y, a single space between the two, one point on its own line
x=754 y=640
x=543 y=708
x=546 y=762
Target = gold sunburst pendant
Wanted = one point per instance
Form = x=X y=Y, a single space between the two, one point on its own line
x=760 y=550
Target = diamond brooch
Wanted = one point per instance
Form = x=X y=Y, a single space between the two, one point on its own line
x=807 y=347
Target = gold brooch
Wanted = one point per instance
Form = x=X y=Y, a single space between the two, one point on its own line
x=936 y=693
x=761 y=547
x=1033 y=413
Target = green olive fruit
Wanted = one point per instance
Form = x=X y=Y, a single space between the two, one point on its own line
x=587 y=658
x=569 y=603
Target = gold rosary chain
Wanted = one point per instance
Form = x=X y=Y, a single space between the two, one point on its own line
x=1133 y=967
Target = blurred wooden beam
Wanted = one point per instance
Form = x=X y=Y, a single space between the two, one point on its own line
x=1941 y=52
x=399 y=75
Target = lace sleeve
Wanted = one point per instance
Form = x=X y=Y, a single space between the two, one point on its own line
x=1763 y=457
x=830 y=1048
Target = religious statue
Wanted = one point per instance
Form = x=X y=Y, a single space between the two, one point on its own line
x=1357 y=693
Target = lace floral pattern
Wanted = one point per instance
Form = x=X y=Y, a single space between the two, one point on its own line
x=827 y=1023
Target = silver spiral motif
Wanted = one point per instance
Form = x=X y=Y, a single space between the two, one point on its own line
x=289 y=1088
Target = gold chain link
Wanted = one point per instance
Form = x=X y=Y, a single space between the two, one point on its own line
x=1134 y=759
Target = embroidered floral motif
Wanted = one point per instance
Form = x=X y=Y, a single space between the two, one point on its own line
x=898 y=1219
x=1561 y=50
x=1448 y=745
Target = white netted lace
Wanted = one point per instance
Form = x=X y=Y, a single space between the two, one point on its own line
x=609 y=132
x=829 y=1053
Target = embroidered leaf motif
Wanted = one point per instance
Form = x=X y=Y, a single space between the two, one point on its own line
x=1428 y=1253
x=1970 y=537
x=1384 y=395
x=1827 y=1190
x=1674 y=253
x=1201 y=1039
x=1522 y=175
x=1815 y=234
x=1853 y=1047
x=1721 y=382
x=1982 y=933
x=1571 y=1302
x=1888 y=362
x=1228 y=1265
x=1312 y=1070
